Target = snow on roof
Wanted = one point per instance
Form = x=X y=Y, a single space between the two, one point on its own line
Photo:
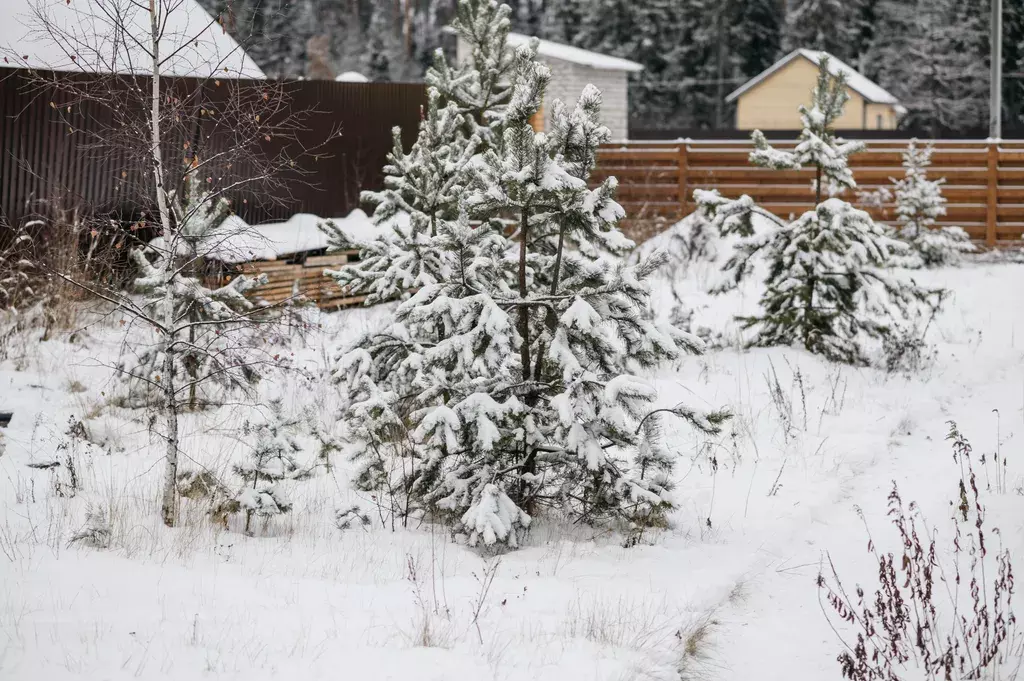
x=352 y=77
x=90 y=35
x=594 y=60
x=865 y=87
x=236 y=241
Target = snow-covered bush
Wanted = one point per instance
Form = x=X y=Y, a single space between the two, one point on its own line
x=697 y=237
x=345 y=518
x=828 y=287
x=919 y=203
x=494 y=518
x=271 y=461
x=510 y=387
x=96 y=531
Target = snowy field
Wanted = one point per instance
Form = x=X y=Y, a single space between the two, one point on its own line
x=728 y=592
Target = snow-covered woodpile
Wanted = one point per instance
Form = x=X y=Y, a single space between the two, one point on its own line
x=292 y=254
x=300 y=280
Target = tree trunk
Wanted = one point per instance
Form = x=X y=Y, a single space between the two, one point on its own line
x=524 y=311
x=529 y=460
x=193 y=374
x=551 y=319
x=817 y=187
x=809 y=295
x=168 y=506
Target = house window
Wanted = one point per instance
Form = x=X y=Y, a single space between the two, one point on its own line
x=879 y=119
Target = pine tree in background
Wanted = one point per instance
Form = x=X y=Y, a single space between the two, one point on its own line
x=422 y=189
x=272 y=460
x=397 y=41
x=1013 y=63
x=509 y=388
x=757 y=27
x=865 y=19
x=562 y=20
x=613 y=26
x=384 y=44
x=819 y=25
x=208 y=344
x=827 y=288
x=932 y=55
x=919 y=203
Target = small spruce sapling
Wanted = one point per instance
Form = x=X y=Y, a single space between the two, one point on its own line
x=206 y=344
x=271 y=461
x=919 y=203
x=827 y=287
x=96 y=531
x=817 y=146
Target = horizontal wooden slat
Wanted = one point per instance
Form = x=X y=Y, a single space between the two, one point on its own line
x=638 y=155
x=330 y=259
x=627 y=174
x=955 y=213
x=803 y=191
x=1010 y=212
x=740 y=157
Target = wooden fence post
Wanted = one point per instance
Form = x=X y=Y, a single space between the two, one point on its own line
x=683 y=181
x=992 y=208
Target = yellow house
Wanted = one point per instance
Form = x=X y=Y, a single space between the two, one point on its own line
x=769 y=100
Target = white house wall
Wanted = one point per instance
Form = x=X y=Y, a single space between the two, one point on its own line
x=568 y=81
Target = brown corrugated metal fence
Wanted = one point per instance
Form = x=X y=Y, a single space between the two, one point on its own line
x=43 y=159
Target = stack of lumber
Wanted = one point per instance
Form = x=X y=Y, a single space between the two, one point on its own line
x=306 y=278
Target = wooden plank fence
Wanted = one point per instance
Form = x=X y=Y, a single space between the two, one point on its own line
x=984 y=182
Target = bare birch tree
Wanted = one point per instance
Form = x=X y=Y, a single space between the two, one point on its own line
x=110 y=59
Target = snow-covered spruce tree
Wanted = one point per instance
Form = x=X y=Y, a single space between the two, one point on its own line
x=827 y=288
x=272 y=459
x=511 y=388
x=422 y=188
x=199 y=352
x=919 y=203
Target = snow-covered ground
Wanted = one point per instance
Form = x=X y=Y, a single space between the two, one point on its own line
x=728 y=593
